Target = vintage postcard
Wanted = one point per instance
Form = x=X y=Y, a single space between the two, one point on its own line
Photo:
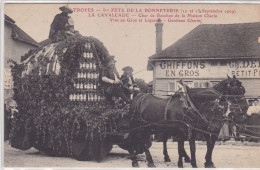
x=112 y=85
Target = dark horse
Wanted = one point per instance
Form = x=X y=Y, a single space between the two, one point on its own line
x=183 y=114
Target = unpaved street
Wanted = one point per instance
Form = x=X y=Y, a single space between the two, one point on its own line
x=230 y=154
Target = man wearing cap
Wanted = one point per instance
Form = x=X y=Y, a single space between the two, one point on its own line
x=111 y=82
x=128 y=81
x=62 y=25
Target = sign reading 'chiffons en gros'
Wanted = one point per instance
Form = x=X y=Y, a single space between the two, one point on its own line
x=206 y=55
x=192 y=69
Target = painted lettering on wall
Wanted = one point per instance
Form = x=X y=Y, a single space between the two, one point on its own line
x=182 y=64
x=182 y=68
x=247 y=68
x=244 y=64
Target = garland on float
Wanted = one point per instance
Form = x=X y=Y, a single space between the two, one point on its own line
x=44 y=100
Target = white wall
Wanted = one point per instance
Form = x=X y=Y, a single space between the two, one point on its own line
x=13 y=49
x=205 y=75
x=248 y=68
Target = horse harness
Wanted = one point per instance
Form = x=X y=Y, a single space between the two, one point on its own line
x=191 y=107
x=165 y=110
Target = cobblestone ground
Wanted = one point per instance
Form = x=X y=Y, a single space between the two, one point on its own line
x=230 y=154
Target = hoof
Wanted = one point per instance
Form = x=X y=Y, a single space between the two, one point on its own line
x=180 y=165
x=187 y=159
x=194 y=165
x=135 y=165
x=167 y=159
x=209 y=165
x=151 y=165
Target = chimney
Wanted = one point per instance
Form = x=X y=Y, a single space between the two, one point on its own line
x=159 y=27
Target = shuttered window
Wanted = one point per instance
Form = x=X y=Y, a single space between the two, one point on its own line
x=171 y=87
x=188 y=83
x=214 y=63
x=213 y=83
x=196 y=84
x=223 y=63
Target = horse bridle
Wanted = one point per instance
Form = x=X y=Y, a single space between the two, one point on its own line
x=225 y=119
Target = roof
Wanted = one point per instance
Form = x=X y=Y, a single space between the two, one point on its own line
x=45 y=42
x=18 y=34
x=7 y=18
x=210 y=41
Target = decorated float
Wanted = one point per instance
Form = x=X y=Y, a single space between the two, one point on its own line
x=62 y=109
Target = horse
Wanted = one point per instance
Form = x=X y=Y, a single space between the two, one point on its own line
x=183 y=114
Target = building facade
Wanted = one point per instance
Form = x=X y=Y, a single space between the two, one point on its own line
x=206 y=55
x=16 y=44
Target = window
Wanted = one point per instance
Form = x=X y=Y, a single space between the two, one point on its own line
x=174 y=86
x=171 y=87
x=196 y=85
x=205 y=84
x=214 y=63
x=188 y=83
x=213 y=83
x=223 y=63
x=201 y=84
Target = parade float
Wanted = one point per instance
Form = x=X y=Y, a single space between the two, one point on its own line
x=62 y=109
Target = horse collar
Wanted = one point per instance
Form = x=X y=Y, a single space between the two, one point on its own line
x=140 y=103
x=165 y=111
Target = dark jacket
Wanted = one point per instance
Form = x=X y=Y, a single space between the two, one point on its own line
x=58 y=24
x=107 y=72
x=125 y=79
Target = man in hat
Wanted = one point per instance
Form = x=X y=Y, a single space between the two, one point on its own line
x=111 y=82
x=62 y=26
x=128 y=81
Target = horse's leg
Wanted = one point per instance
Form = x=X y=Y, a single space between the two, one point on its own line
x=165 y=152
x=185 y=155
x=210 y=146
x=180 y=152
x=148 y=155
x=193 y=149
x=133 y=157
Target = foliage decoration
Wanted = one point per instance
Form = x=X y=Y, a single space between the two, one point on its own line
x=49 y=118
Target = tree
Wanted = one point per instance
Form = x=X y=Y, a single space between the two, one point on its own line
x=142 y=85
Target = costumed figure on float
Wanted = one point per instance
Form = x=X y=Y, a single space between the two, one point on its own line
x=64 y=92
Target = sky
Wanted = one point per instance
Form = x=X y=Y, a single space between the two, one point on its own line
x=130 y=42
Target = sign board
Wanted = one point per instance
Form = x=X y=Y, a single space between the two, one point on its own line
x=249 y=68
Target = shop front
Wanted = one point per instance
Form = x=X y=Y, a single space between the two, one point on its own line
x=205 y=74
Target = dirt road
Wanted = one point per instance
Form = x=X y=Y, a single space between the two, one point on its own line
x=226 y=155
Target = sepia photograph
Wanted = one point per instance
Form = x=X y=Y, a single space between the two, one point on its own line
x=125 y=85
